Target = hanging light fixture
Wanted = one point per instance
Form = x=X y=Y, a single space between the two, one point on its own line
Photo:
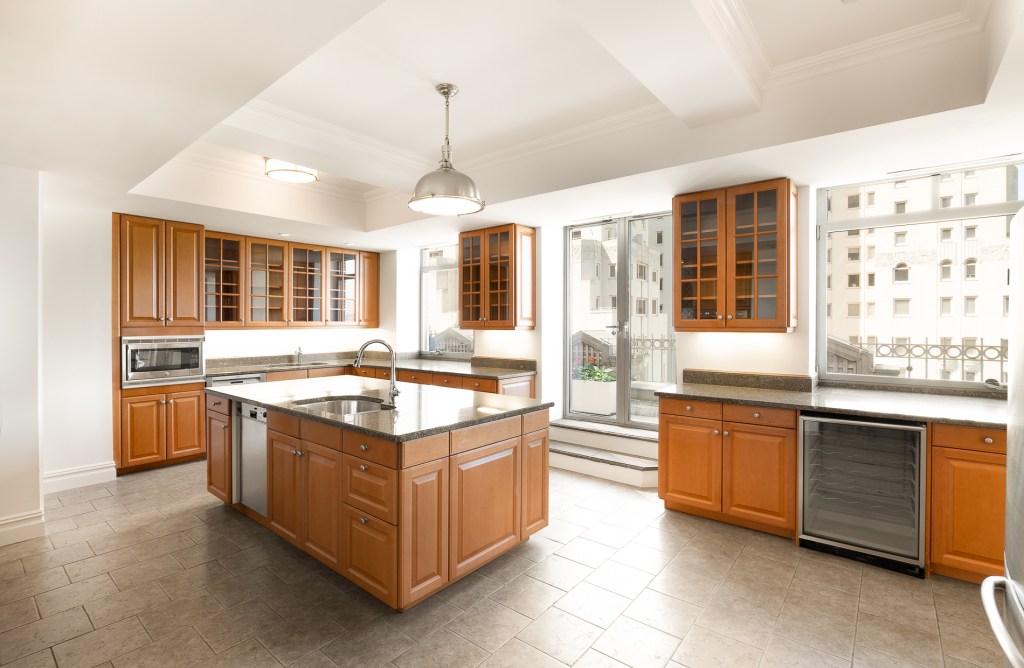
x=289 y=172
x=446 y=191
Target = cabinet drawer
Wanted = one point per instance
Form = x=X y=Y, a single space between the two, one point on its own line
x=218 y=404
x=376 y=450
x=321 y=434
x=969 y=438
x=286 y=424
x=447 y=380
x=364 y=371
x=422 y=377
x=480 y=384
x=274 y=376
x=326 y=372
x=370 y=487
x=772 y=417
x=709 y=410
x=383 y=373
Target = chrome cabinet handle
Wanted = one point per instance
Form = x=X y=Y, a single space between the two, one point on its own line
x=728 y=317
x=294 y=452
x=725 y=433
x=364 y=447
x=223 y=426
x=715 y=432
x=162 y=402
x=689 y=408
x=171 y=319
x=756 y=414
x=171 y=401
x=718 y=315
x=300 y=453
x=995 y=620
x=362 y=520
x=216 y=403
x=988 y=439
x=364 y=467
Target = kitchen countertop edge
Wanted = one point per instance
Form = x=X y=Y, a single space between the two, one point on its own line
x=431 y=366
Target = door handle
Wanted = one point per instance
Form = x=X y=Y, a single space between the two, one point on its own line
x=995 y=620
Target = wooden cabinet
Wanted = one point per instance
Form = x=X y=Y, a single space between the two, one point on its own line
x=306 y=278
x=159 y=273
x=285 y=495
x=734 y=463
x=342 y=285
x=497 y=278
x=161 y=426
x=735 y=268
x=224 y=286
x=266 y=300
x=218 y=454
x=369 y=289
x=968 y=501
x=322 y=471
x=368 y=556
x=536 y=454
x=423 y=527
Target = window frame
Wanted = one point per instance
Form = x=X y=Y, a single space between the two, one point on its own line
x=424 y=351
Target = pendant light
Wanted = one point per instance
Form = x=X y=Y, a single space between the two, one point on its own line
x=446 y=191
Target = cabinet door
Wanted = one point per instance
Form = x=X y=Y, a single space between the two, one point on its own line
x=499 y=270
x=223 y=279
x=142 y=272
x=699 y=270
x=536 y=446
x=690 y=462
x=323 y=502
x=307 y=285
x=423 y=567
x=369 y=553
x=184 y=257
x=471 y=280
x=185 y=424
x=369 y=289
x=143 y=429
x=525 y=279
x=759 y=474
x=370 y=487
x=267 y=283
x=342 y=282
x=485 y=509
x=218 y=455
x=968 y=510
x=285 y=509
x=757 y=258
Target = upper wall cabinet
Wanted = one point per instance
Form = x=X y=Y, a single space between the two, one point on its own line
x=224 y=280
x=159 y=273
x=369 y=289
x=307 y=285
x=735 y=263
x=267 y=280
x=497 y=278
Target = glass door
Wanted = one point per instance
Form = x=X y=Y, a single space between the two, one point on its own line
x=621 y=346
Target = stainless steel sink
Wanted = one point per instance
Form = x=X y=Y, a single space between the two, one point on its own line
x=343 y=405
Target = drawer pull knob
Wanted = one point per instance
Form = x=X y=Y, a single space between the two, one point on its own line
x=223 y=426
x=216 y=403
x=363 y=467
x=715 y=432
x=362 y=520
x=300 y=453
x=725 y=433
x=988 y=439
x=294 y=452
x=689 y=408
x=756 y=414
x=364 y=447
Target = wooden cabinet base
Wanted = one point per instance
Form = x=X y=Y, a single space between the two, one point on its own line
x=729 y=519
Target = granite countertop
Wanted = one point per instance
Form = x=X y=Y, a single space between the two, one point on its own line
x=432 y=366
x=969 y=411
x=420 y=410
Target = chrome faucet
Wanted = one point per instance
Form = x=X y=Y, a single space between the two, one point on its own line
x=393 y=391
x=298 y=355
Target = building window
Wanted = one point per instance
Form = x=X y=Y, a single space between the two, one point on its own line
x=871 y=252
x=654 y=276
x=611 y=232
x=970 y=199
x=854 y=339
x=641 y=271
x=853 y=233
x=654 y=306
x=871 y=309
x=970 y=174
x=971 y=232
x=659 y=237
x=871 y=198
x=853 y=280
x=1006 y=305
x=946 y=234
x=577 y=234
x=900 y=238
x=597 y=302
x=611 y=298
x=828 y=282
x=901 y=207
x=641 y=307
x=946 y=270
x=611 y=271
x=947 y=177
x=439 y=303
x=946 y=202
x=945 y=306
x=970 y=306
x=901 y=274
x=828 y=256
x=901 y=308
x=853 y=309
x=853 y=254
x=871 y=280
x=853 y=201
x=661 y=283
x=970 y=268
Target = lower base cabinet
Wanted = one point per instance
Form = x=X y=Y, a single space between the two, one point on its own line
x=368 y=555
x=161 y=426
x=218 y=455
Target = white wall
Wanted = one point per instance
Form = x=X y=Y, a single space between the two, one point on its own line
x=256 y=342
x=21 y=515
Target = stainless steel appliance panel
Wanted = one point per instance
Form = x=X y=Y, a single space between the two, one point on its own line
x=160 y=360
x=237 y=379
x=252 y=467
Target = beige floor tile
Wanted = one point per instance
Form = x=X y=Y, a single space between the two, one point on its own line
x=489 y=625
x=110 y=609
x=681 y=523
x=966 y=612
x=104 y=563
x=25 y=548
x=821 y=600
x=586 y=552
x=43 y=659
x=830 y=559
x=182 y=583
x=12 y=570
x=905 y=607
x=157 y=547
x=647 y=559
x=146 y=571
x=442 y=649
x=536 y=548
x=594 y=604
x=117 y=541
x=507 y=568
x=353 y=608
x=559 y=572
x=665 y=540
x=748 y=587
x=101 y=645
x=82 y=494
x=881 y=581
x=167 y=618
x=727 y=538
x=54 y=558
x=230 y=627
x=248 y=559
x=702 y=561
x=636 y=644
x=184 y=648
x=903 y=642
x=663 y=612
x=100 y=516
x=294 y=639
x=65 y=538
x=969 y=645
x=703 y=648
x=371 y=644
x=864 y=657
x=610 y=535
x=58 y=526
x=527 y=596
x=69 y=511
x=16 y=613
x=29 y=585
x=628 y=520
x=137 y=520
x=74 y=595
x=828 y=634
x=784 y=653
x=594 y=659
x=248 y=653
x=111 y=501
x=315 y=660
x=517 y=654
x=469 y=591
x=769 y=571
x=775 y=548
x=35 y=636
x=620 y=578
x=685 y=585
x=561 y=635
x=584 y=517
x=561 y=531
x=738 y=620
x=424 y=618
x=828 y=575
x=174 y=524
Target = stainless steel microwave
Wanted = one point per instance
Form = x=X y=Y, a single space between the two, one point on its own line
x=161 y=360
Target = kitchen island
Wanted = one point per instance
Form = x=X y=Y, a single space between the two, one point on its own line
x=400 y=501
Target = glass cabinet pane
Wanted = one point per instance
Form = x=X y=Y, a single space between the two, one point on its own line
x=307 y=289
x=697 y=250
x=471 y=290
x=341 y=286
x=222 y=278
x=266 y=281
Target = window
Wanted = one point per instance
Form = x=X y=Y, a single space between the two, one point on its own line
x=853 y=233
x=611 y=271
x=970 y=306
x=900 y=238
x=871 y=280
x=659 y=237
x=661 y=283
x=947 y=177
x=654 y=306
x=900 y=207
x=945 y=306
x=853 y=254
x=597 y=302
x=946 y=270
x=828 y=255
x=970 y=375
x=1006 y=305
x=871 y=309
x=439 y=303
x=946 y=202
x=854 y=339
x=577 y=234
x=970 y=199
x=853 y=201
x=971 y=232
x=901 y=307
x=853 y=309
x=611 y=232
x=970 y=173
x=641 y=307
x=654 y=276
x=946 y=234
x=871 y=198
x=872 y=340
x=901 y=274
x=853 y=280
x=970 y=268
x=828 y=283
x=611 y=298
x=641 y=271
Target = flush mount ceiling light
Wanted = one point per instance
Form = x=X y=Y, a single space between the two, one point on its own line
x=289 y=172
x=446 y=191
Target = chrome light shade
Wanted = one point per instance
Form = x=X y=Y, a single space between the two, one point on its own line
x=446 y=191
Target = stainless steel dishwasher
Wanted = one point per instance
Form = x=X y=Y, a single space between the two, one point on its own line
x=252 y=470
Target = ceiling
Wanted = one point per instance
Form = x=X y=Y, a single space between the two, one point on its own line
x=568 y=109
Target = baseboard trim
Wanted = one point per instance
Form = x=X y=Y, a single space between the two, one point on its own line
x=78 y=476
x=23 y=526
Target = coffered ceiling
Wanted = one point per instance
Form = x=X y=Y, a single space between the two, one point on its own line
x=558 y=99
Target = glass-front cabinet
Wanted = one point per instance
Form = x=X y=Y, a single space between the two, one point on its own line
x=223 y=274
x=734 y=269
x=496 y=278
x=268 y=277
x=307 y=285
x=341 y=286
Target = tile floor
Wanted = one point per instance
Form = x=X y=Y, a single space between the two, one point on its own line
x=150 y=570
